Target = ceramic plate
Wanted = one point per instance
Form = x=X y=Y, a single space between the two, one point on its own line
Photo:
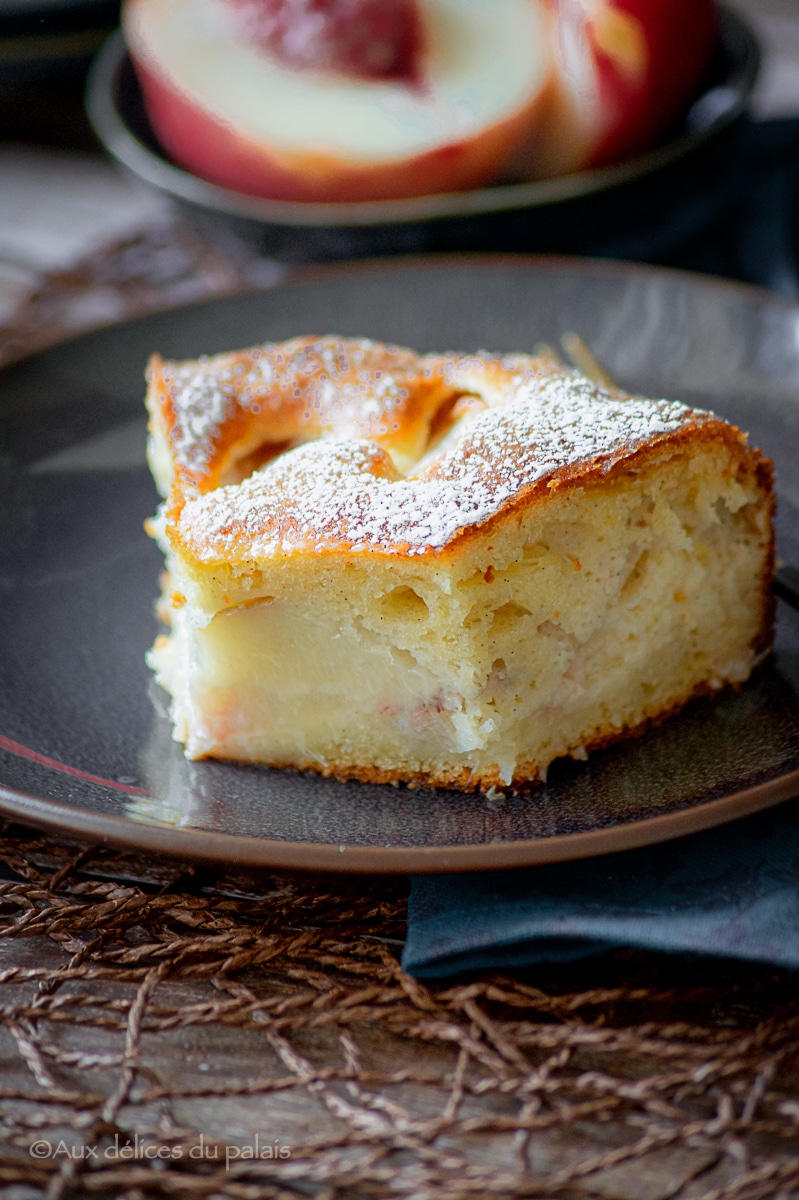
x=84 y=742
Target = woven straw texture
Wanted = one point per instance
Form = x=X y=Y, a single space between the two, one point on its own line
x=183 y=1032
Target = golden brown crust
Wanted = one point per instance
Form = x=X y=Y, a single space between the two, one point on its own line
x=320 y=508
x=394 y=453
x=215 y=410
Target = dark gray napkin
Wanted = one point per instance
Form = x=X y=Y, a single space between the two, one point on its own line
x=732 y=891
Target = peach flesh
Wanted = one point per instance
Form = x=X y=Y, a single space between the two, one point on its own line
x=215 y=151
x=368 y=39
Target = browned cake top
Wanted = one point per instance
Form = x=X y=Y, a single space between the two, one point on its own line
x=288 y=393
x=360 y=446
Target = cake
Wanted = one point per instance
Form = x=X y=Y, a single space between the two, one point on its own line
x=443 y=569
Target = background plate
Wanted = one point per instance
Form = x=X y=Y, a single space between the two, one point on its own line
x=637 y=208
x=84 y=743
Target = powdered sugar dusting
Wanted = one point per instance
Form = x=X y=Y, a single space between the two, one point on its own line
x=202 y=403
x=345 y=494
x=308 y=386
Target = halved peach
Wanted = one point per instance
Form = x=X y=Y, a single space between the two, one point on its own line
x=233 y=113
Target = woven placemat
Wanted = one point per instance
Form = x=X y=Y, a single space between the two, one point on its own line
x=168 y=1030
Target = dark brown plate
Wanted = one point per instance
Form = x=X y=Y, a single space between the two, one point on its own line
x=84 y=745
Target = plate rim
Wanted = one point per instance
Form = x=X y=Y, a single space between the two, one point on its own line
x=208 y=846
x=299 y=275
x=204 y=845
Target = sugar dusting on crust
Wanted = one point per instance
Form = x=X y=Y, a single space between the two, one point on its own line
x=201 y=403
x=309 y=385
x=346 y=494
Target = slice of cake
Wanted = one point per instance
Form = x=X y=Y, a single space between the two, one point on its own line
x=446 y=569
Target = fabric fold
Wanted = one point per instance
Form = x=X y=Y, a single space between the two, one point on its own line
x=731 y=891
